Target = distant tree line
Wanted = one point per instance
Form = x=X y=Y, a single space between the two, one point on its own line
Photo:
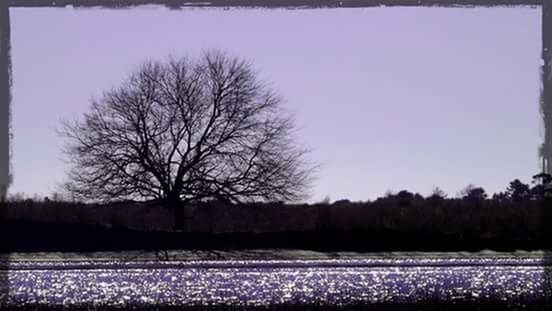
x=519 y=212
x=516 y=192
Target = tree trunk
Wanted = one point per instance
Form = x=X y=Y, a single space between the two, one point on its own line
x=175 y=204
x=179 y=218
x=183 y=214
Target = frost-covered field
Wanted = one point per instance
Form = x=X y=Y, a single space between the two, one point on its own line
x=273 y=277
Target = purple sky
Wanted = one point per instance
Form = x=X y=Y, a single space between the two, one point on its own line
x=388 y=98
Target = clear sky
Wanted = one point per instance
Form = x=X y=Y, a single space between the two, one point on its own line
x=387 y=98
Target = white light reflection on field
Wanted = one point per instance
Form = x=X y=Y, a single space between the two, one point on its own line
x=246 y=284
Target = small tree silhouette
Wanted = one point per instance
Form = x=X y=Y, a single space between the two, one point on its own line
x=405 y=198
x=473 y=194
x=518 y=191
x=543 y=187
x=437 y=196
x=501 y=197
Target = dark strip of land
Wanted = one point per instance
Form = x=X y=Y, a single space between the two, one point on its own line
x=27 y=236
x=395 y=223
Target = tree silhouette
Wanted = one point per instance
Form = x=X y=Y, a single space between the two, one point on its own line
x=501 y=197
x=437 y=196
x=543 y=178
x=187 y=130
x=473 y=193
x=543 y=187
x=405 y=198
x=518 y=191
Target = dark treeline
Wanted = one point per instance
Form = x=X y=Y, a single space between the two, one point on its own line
x=514 y=219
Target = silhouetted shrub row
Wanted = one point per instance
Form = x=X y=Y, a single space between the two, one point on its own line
x=132 y=216
x=521 y=214
x=485 y=218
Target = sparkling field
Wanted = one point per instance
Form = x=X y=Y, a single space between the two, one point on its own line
x=511 y=280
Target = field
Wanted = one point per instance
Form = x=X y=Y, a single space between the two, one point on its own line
x=298 y=280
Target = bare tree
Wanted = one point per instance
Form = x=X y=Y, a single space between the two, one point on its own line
x=186 y=130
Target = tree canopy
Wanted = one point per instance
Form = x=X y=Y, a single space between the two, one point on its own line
x=186 y=130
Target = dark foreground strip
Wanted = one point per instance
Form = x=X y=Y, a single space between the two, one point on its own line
x=58 y=237
x=429 y=306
